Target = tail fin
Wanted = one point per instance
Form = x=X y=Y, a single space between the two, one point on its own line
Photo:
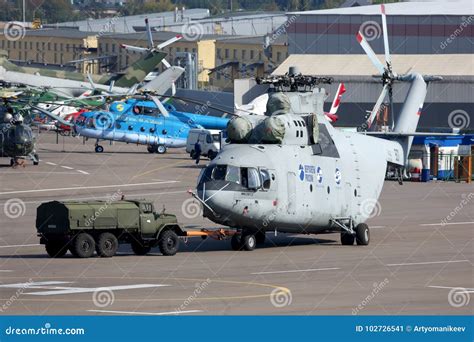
x=410 y=114
x=341 y=89
x=137 y=72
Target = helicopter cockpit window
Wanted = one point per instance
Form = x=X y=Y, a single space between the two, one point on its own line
x=151 y=111
x=253 y=178
x=265 y=175
x=219 y=172
x=22 y=134
x=233 y=174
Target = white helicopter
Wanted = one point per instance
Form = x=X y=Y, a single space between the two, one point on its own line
x=293 y=172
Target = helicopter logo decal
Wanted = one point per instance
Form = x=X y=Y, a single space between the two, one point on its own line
x=338 y=176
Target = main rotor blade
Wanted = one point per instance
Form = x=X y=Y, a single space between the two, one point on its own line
x=160 y=106
x=168 y=42
x=385 y=34
x=370 y=53
x=376 y=108
x=149 y=35
x=134 y=48
x=51 y=115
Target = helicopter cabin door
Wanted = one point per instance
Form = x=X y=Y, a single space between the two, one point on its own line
x=291 y=191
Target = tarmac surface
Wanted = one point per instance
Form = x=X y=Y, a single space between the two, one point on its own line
x=419 y=261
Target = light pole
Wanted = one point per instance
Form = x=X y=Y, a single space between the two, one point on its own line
x=24 y=12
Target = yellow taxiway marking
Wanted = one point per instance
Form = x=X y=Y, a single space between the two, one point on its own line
x=160 y=168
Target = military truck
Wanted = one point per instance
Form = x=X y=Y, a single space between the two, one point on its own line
x=85 y=227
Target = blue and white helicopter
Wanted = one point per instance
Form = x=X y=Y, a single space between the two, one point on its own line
x=144 y=120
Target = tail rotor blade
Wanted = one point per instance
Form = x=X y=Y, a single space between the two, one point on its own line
x=376 y=108
x=168 y=42
x=385 y=35
x=166 y=63
x=149 y=35
x=134 y=48
x=370 y=53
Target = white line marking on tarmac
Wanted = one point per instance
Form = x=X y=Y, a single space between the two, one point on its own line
x=428 y=263
x=14 y=246
x=53 y=164
x=378 y=227
x=461 y=289
x=87 y=187
x=38 y=284
x=294 y=271
x=70 y=290
x=445 y=224
x=6 y=271
x=67 y=167
x=146 y=313
x=83 y=172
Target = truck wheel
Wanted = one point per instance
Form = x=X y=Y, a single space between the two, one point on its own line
x=83 y=245
x=169 y=242
x=56 y=249
x=139 y=248
x=106 y=245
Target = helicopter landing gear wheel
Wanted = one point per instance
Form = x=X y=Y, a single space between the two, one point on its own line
x=235 y=242
x=347 y=239
x=249 y=242
x=161 y=149
x=362 y=234
x=99 y=149
x=151 y=148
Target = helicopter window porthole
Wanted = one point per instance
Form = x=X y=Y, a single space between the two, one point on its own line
x=130 y=127
x=142 y=129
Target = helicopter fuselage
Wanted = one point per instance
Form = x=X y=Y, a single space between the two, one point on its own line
x=297 y=188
